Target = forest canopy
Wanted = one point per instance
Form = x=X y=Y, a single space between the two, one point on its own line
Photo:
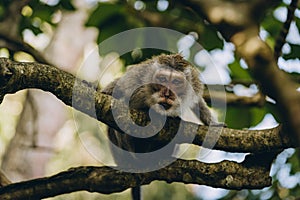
x=56 y=55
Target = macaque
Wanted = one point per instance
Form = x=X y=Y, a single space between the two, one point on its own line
x=170 y=86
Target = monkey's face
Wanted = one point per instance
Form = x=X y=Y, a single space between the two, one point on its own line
x=169 y=88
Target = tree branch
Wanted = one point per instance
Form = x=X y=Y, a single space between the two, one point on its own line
x=226 y=174
x=234 y=100
x=15 y=76
x=252 y=173
x=280 y=41
x=81 y=95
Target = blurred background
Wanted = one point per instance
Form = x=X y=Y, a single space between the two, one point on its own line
x=40 y=136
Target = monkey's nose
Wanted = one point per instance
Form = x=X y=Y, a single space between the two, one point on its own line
x=167 y=92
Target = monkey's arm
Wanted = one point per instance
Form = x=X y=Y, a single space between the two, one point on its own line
x=110 y=87
x=206 y=116
x=120 y=86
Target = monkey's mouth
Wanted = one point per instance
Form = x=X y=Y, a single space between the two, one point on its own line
x=165 y=105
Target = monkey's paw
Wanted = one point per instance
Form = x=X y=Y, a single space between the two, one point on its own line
x=219 y=124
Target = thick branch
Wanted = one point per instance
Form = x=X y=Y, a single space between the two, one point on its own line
x=234 y=100
x=15 y=76
x=226 y=174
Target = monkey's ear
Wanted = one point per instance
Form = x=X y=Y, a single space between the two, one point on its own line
x=188 y=72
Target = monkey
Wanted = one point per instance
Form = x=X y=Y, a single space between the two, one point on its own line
x=166 y=83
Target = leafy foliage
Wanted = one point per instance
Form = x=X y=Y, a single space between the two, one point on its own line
x=239 y=73
x=114 y=17
x=43 y=13
x=294 y=53
x=295 y=159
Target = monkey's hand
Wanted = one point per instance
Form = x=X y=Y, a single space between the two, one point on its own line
x=218 y=124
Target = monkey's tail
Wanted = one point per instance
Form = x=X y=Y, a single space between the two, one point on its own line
x=136 y=193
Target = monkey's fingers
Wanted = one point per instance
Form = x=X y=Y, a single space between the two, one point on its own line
x=219 y=124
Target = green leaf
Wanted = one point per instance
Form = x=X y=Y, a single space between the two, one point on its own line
x=297 y=20
x=27 y=24
x=44 y=12
x=295 y=162
x=2 y=12
x=244 y=117
x=237 y=72
x=257 y=115
x=35 y=30
x=67 y=5
x=110 y=19
x=105 y=12
x=237 y=118
x=210 y=39
x=295 y=52
x=272 y=108
x=272 y=25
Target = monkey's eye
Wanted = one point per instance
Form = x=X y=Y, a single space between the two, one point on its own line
x=161 y=79
x=177 y=82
